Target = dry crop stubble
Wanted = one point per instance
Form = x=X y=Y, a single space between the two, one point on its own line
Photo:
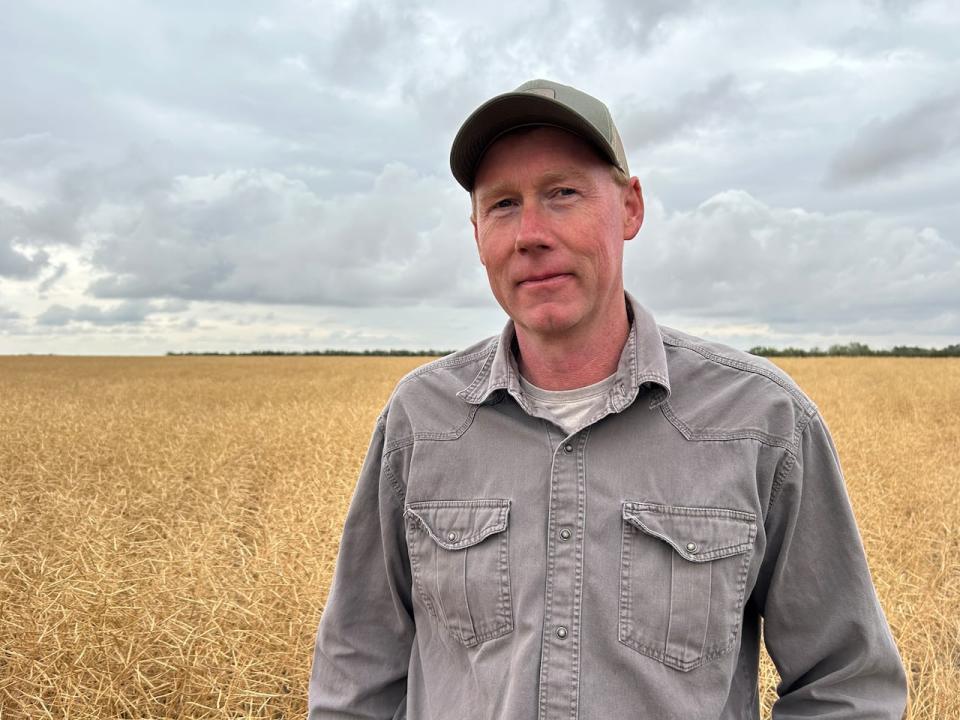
x=896 y=424
x=169 y=526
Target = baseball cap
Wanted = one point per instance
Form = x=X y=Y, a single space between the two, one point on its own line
x=537 y=102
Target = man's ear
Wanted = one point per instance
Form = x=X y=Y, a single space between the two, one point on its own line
x=633 y=209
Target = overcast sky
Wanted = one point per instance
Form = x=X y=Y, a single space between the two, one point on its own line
x=237 y=175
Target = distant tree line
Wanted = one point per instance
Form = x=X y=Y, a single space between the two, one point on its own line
x=852 y=349
x=856 y=349
x=391 y=353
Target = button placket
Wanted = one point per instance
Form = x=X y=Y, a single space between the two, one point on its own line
x=560 y=649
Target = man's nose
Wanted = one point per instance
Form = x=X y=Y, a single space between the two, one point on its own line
x=533 y=232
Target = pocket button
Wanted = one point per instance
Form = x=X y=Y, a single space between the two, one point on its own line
x=692 y=548
x=452 y=537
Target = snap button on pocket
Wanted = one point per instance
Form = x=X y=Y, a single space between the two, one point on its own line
x=692 y=547
x=452 y=537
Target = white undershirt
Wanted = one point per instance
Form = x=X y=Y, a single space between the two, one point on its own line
x=570 y=409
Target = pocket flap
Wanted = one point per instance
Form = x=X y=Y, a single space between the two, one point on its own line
x=458 y=524
x=698 y=534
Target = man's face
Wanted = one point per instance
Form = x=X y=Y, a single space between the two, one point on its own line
x=550 y=223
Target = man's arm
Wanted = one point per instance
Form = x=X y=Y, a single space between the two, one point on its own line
x=366 y=630
x=823 y=625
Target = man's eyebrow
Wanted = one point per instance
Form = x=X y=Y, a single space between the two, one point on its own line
x=564 y=175
x=549 y=178
x=500 y=188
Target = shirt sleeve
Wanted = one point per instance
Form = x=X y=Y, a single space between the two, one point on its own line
x=823 y=624
x=366 y=630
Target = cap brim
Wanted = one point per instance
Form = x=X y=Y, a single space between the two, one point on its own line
x=510 y=111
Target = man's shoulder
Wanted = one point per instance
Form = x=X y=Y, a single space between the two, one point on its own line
x=450 y=372
x=714 y=361
x=719 y=392
x=425 y=402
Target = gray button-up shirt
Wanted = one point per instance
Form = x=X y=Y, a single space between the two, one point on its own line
x=492 y=566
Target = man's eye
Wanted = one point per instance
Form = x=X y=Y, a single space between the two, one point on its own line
x=566 y=192
x=503 y=203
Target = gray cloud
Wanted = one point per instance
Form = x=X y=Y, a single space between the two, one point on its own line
x=885 y=148
x=15 y=261
x=75 y=194
x=638 y=24
x=719 y=100
x=897 y=8
x=48 y=282
x=129 y=312
x=30 y=153
x=15 y=264
x=369 y=41
x=55 y=315
x=260 y=236
x=736 y=259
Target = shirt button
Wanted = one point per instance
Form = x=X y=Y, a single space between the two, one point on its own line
x=692 y=547
x=565 y=534
x=561 y=632
x=452 y=536
x=568 y=448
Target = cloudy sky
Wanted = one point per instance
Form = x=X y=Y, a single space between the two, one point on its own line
x=237 y=175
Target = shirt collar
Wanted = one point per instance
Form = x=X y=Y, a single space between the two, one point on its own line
x=642 y=362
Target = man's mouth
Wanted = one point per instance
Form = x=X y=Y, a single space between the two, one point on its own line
x=543 y=279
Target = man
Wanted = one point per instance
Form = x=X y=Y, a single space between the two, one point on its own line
x=588 y=516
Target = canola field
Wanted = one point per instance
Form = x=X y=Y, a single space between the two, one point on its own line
x=168 y=526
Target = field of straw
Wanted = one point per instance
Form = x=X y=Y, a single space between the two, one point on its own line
x=168 y=526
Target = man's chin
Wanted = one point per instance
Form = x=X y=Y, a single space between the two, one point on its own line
x=547 y=322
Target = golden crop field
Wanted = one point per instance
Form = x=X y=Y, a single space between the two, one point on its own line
x=168 y=526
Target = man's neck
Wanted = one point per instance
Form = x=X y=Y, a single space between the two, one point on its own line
x=572 y=361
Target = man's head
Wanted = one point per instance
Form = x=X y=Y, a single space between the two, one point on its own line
x=552 y=207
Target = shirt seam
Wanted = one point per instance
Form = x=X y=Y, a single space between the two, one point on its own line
x=452 y=434
x=788 y=462
x=723 y=435
x=450 y=361
x=399 y=491
x=802 y=400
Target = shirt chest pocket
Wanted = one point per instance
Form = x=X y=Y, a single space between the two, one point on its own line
x=682 y=583
x=459 y=554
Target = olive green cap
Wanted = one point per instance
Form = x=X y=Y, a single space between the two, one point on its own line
x=537 y=102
